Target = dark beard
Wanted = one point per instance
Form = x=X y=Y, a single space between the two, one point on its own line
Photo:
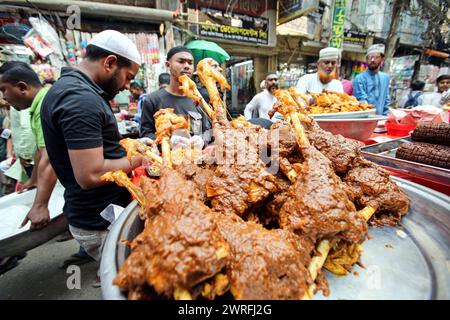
x=272 y=87
x=326 y=77
x=111 y=87
x=373 y=67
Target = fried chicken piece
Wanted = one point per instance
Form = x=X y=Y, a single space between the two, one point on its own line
x=189 y=88
x=209 y=77
x=135 y=147
x=166 y=122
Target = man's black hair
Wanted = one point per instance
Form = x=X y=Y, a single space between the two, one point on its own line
x=164 y=78
x=443 y=77
x=176 y=50
x=95 y=53
x=270 y=73
x=417 y=85
x=16 y=71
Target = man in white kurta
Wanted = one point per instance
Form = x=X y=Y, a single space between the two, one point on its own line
x=263 y=102
x=325 y=77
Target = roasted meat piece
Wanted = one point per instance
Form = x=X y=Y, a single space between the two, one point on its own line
x=265 y=264
x=180 y=246
x=240 y=180
x=318 y=202
x=373 y=187
x=339 y=150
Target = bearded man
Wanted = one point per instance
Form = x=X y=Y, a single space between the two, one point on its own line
x=82 y=138
x=326 y=75
x=263 y=102
x=372 y=86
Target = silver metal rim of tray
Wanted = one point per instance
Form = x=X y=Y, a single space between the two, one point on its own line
x=370 y=117
x=410 y=262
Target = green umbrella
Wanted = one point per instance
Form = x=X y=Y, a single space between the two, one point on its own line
x=207 y=49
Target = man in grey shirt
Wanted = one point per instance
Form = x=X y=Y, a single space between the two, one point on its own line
x=179 y=61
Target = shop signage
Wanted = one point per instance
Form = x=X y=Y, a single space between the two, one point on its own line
x=241 y=27
x=249 y=22
x=355 y=37
x=337 y=32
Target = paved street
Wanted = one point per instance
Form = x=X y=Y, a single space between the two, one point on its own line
x=38 y=276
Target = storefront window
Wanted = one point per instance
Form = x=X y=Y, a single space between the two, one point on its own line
x=243 y=88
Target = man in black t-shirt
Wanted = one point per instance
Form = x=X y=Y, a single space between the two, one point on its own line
x=82 y=137
x=179 y=61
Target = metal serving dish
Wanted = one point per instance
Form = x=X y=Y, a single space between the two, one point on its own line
x=384 y=155
x=13 y=209
x=358 y=128
x=411 y=262
x=343 y=115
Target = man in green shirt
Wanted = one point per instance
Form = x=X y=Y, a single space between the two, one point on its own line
x=24 y=145
x=22 y=88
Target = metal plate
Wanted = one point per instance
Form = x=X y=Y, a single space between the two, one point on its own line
x=343 y=115
x=412 y=262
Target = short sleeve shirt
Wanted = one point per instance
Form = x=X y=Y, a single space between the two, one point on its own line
x=35 y=117
x=76 y=115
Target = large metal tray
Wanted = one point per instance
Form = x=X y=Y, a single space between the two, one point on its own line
x=384 y=155
x=13 y=209
x=408 y=262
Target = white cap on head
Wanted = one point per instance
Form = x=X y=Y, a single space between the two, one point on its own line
x=262 y=84
x=117 y=43
x=376 y=48
x=329 y=54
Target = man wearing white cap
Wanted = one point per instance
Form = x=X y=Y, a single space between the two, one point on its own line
x=325 y=77
x=372 y=86
x=82 y=138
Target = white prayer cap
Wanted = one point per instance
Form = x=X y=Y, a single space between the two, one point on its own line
x=117 y=43
x=262 y=84
x=329 y=54
x=376 y=48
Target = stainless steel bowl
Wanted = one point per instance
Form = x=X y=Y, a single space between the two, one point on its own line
x=356 y=128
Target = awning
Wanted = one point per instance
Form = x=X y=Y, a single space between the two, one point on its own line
x=99 y=9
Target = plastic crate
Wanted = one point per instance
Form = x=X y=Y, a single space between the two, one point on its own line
x=399 y=130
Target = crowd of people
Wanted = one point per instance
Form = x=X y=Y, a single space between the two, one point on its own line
x=68 y=132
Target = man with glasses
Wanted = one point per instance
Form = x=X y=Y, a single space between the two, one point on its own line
x=372 y=86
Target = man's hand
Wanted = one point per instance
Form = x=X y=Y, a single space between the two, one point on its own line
x=136 y=161
x=39 y=217
x=28 y=185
